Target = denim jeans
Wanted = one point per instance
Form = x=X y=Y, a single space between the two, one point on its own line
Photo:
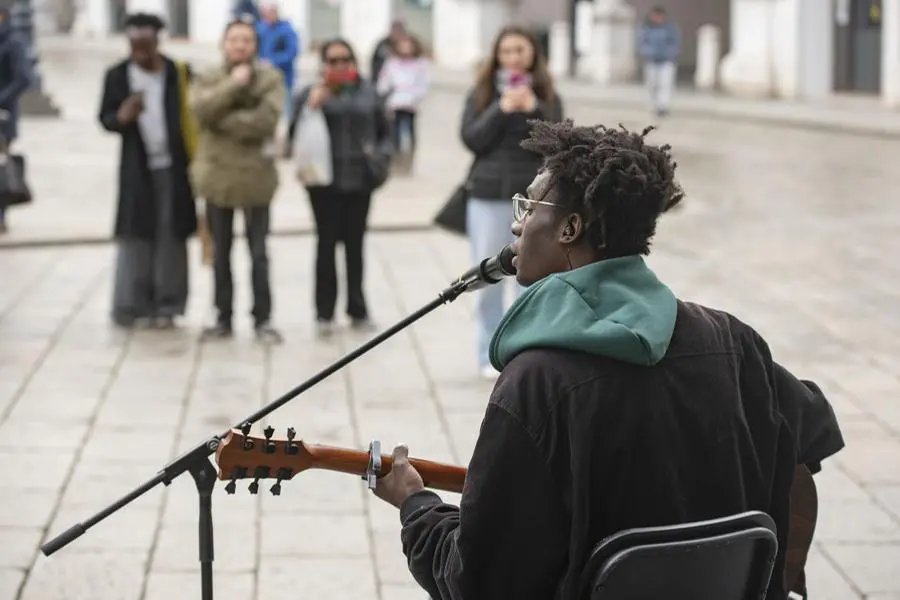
x=404 y=131
x=489 y=224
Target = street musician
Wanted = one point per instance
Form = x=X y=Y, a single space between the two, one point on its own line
x=619 y=405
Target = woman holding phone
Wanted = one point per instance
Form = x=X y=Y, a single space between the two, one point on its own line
x=512 y=87
x=361 y=149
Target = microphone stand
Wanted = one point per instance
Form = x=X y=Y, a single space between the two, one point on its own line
x=196 y=461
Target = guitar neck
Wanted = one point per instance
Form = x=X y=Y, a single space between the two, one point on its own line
x=437 y=476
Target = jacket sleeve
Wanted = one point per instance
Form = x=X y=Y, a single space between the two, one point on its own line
x=644 y=47
x=508 y=538
x=287 y=56
x=674 y=45
x=211 y=99
x=110 y=102
x=257 y=124
x=809 y=416
x=384 y=139
x=482 y=131
x=807 y=413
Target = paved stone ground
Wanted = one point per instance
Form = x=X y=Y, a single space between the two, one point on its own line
x=793 y=231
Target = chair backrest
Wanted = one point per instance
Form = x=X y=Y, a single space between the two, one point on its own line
x=730 y=558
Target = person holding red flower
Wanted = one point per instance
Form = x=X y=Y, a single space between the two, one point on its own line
x=361 y=146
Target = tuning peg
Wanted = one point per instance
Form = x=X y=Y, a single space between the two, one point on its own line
x=231 y=487
x=291 y=447
x=269 y=447
x=248 y=443
x=282 y=474
x=254 y=487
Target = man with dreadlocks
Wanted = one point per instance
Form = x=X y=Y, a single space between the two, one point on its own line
x=618 y=405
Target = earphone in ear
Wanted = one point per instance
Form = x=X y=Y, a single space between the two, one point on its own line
x=569 y=230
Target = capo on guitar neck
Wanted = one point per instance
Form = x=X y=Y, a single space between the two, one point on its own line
x=373 y=469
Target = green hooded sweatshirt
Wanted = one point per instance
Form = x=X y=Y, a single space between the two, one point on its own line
x=615 y=308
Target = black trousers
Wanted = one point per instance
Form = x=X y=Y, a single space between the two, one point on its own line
x=340 y=217
x=256 y=224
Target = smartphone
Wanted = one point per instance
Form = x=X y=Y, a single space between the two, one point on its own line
x=520 y=79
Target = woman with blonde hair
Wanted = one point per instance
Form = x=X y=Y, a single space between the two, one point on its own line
x=512 y=87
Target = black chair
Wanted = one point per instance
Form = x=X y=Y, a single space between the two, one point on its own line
x=721 y=559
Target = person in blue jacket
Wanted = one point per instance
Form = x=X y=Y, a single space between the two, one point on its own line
x=659 y=44
x=279 y=45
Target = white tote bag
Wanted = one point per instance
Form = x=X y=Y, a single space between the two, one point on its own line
x=312 y=149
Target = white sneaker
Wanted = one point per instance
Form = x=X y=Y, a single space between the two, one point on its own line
x=490 y=373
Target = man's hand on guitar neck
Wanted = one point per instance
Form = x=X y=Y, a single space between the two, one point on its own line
x=403 y=480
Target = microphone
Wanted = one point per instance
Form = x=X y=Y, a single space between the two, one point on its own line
x=488 y=272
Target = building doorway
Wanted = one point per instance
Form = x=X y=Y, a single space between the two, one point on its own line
x=857 y=60
x=179 y=19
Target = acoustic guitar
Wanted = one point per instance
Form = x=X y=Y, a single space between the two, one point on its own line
x=242 y=456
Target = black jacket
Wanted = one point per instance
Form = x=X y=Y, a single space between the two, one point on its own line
x=501 y=166
x=361 y=142
x=575 y=447
x=135 y=214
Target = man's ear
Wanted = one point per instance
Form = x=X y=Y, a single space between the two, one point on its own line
x=572 y=228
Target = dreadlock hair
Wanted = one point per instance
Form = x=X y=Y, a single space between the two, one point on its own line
x=617 y=182
x=145 y=20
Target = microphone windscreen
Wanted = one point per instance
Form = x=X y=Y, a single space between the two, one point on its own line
x=506 y=256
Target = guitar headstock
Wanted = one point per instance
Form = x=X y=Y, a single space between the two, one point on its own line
x=242 y=456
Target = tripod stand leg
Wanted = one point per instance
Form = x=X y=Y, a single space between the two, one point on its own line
x=204 y=475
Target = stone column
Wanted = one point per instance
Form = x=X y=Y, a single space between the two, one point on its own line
x=93 y=19
x=363 y=24
x=464 y=30
x=613 y=38
x=709 y=48
x=207 y=19
x=747 y=70
x=159 y=8
x=560 y=48
x=780 y=48
x=890 y=53
x=33 y=102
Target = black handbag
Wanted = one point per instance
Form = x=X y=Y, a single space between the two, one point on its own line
x=13 y=186
x=452 y=216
